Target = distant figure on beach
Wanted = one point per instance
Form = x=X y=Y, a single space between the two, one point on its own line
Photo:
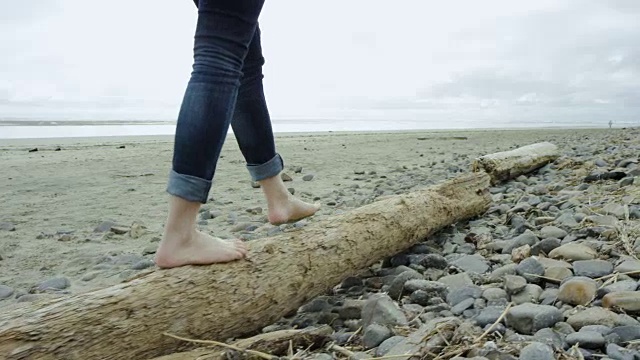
x=225 y=89
x=610 y=123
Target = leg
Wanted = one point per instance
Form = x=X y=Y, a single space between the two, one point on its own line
x=252 y=128
x=224 y=30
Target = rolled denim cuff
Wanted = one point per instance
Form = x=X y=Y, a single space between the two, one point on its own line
x=269 y=169
x=190 y=188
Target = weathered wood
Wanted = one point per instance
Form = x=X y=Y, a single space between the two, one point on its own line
x=223 y=301
x=275 y=343
x=506 y=165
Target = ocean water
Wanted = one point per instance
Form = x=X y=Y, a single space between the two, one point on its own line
x=66 y=130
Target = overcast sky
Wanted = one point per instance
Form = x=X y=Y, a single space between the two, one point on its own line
x=438 y=61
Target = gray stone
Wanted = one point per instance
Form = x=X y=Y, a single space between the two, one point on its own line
x=458 y=295
x=592 y=268
x=617 y=352
x=529 y=268
x=586 y=339
x=488 y=315
x=552 y=232
x=558 y=272
x=500 y=273
x=598 y=316
x=7 y=226
x=513 y=284
x=622 y=285
x=529 y=318
x=627 y=333
x=143 y=264
x=308 y=177
x=526 y=238
x=396 y=288
x=380 y=309
x=433 y=288
x=456 y=281
x=548 y=335
x=629 y=266
x=374 y=335
x=530 y=294
x=434 y=261
x=602 y=329
x=493 y=294
x=616 y=210
x=545 y=246
x=320 y=304
x=537 y=351
x=56 y=283
x=90 y=276
x=387 y=345
x=5 y=292
x=472 y=263
x=567 y=219
x=463 y=305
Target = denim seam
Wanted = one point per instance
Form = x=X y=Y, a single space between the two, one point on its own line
x=269 y=169
x=188 y=187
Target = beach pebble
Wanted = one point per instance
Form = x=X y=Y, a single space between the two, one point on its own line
x=374 y=335
x=459 y=295
x=472 y=263
x=488 y=315
x=537 y=351
x=529 y=318
x=622 y=285
x=386 y=346
x=7 y=226
x=434 y=261
x=586 y=339
x=628 y=301
x=628 y=266
x=573 y=251
x=397 y=288
x=143 y=264
x=598 y=316
x=592 y=268
x=530 y=269
x=617 y=352
x=456 y=281
x=513 y=284
x=627 y=333
x=5 y=292
x=90 y=276
x=558 y=273
x=285 y=177
x=552 y=232
x=530 y=294
x=577 y=290
x=308 y=177
x=56 y=283
x=380 y=309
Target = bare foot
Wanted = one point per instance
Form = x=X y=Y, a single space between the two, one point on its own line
x=290 y=210
x=197 y=249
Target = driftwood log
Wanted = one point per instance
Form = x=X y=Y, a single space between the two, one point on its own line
x=217 y=302
x=507 y=165
x=223 y=301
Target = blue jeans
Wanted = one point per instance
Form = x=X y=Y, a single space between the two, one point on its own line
x=225 y=89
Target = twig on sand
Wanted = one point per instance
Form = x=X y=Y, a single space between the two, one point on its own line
x=221 y=344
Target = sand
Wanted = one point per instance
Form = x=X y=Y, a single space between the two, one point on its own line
x=56 y=199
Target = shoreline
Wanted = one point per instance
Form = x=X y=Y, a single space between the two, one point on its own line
x=36 y=141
